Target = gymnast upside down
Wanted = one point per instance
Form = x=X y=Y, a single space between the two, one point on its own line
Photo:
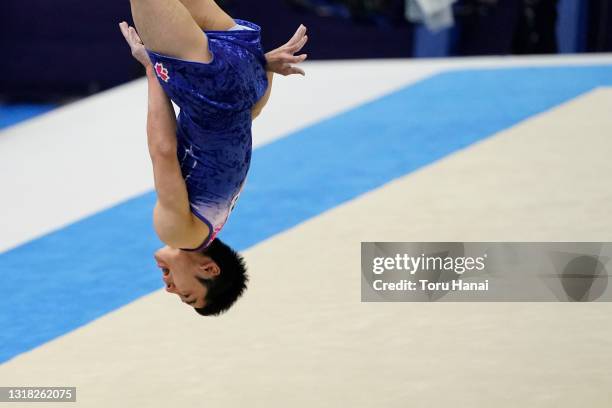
x=213 y=67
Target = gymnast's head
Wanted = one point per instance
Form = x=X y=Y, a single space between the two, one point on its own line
x=210 y=280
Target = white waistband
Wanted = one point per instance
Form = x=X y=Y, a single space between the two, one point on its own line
x=240 y=27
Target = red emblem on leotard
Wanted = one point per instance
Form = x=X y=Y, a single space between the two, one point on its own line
x=162 y=72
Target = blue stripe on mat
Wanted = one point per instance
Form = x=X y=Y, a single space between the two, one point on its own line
x=13 y=114
x=66 y=279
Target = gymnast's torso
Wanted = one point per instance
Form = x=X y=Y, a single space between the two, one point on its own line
x=214 y=124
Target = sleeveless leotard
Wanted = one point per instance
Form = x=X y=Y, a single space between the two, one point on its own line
x=214 y=124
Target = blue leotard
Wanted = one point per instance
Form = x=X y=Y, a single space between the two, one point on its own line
x=214 y=123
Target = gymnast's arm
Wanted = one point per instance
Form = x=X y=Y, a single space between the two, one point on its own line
x=174 y=223
x=258 y=107
x=172 y=217
x=279 y=61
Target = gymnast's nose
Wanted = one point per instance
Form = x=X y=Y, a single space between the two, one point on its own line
x=158 y=258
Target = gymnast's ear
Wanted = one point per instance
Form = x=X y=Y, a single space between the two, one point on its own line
x=208 y=268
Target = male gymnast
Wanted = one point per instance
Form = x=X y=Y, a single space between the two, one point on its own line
x=213 y=67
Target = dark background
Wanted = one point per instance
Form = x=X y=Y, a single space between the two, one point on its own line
x=54 y=50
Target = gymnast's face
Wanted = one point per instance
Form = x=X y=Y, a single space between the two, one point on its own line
x=180 y=270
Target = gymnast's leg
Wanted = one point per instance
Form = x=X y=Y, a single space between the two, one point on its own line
x=167 y=27
x=208 y=15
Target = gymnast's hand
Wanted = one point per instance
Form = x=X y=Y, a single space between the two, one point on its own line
x=138 y=49
x=280 y=59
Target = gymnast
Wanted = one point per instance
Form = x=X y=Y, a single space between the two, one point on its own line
x=213 y=67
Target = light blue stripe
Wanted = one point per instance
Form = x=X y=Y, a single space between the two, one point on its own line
x=13 y=114
x=66 y=279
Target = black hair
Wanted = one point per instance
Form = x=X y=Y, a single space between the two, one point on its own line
x=225 y=288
